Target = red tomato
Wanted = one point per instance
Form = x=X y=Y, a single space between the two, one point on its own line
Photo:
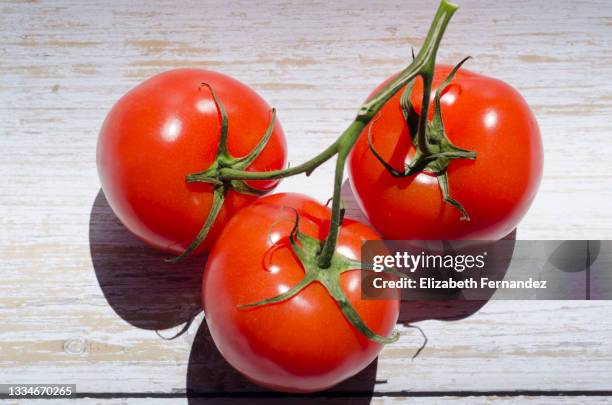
x=481 y=114
x=166 y=128
x=303 y=344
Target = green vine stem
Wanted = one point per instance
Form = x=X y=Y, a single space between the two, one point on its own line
x=321 y=262
x=422 y=65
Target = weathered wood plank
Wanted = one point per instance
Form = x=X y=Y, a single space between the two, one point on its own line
x=81 y=298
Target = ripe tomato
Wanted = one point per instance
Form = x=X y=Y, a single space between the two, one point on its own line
x=166 y=128
x=480 y=114
x=305 y=343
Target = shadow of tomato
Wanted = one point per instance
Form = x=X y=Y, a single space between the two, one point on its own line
x=138 y=284
x=452 y=305
x=211 y=380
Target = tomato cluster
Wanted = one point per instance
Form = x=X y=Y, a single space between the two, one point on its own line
x=184 y=157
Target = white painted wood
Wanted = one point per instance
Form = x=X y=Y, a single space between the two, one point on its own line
x=63 y=64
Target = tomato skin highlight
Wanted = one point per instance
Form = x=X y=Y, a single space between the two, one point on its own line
x=166 y=128
x=481 y=114
x=303 y=344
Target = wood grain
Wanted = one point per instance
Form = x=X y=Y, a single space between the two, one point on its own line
x=81 y=299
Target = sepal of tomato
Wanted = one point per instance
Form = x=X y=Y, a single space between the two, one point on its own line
x=303 y=343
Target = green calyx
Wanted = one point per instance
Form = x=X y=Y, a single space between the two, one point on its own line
x=307 y=249
x=212 y=175
x=434 y=151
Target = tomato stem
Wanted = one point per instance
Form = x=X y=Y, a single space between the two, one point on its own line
x=422 y=64
x=322 y=263
x=307 y=167
x=329 y=246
